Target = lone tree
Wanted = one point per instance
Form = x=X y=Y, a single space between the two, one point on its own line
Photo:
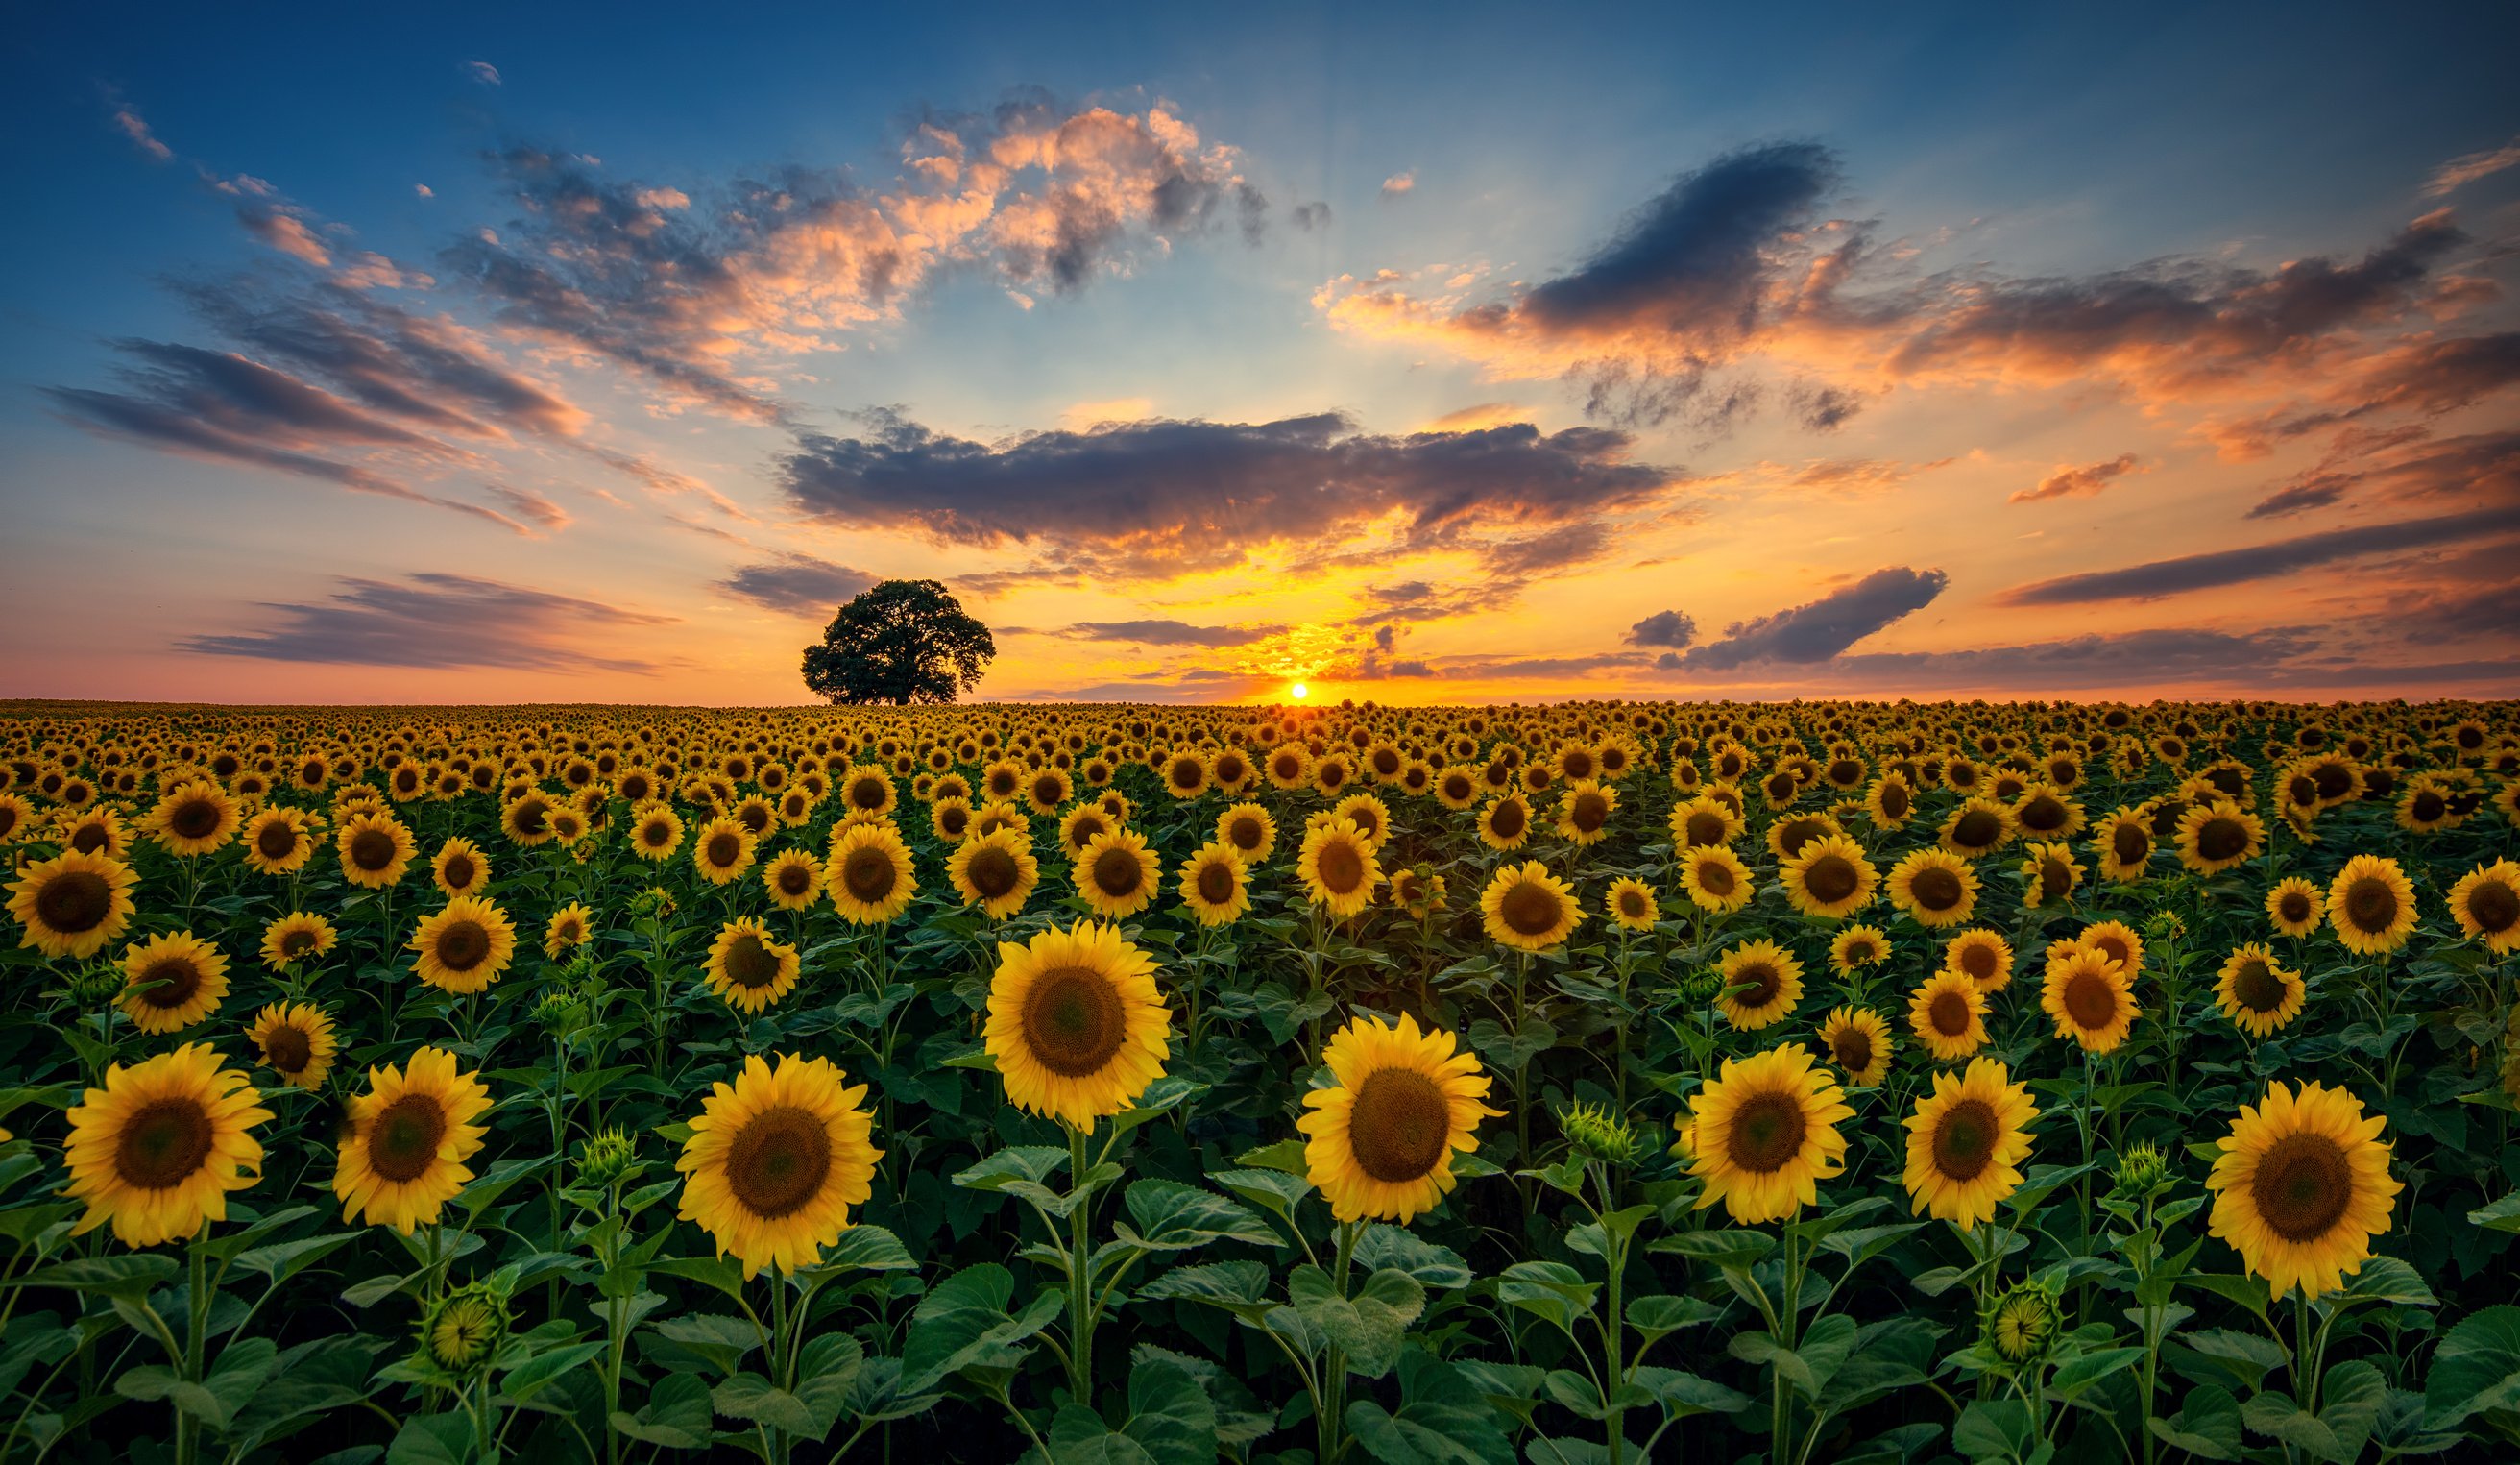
x=901 y=642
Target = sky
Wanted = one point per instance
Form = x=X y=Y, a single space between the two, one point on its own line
x=1441 y=354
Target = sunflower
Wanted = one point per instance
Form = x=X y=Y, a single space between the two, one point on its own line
x=570 y=927
x=1417 y=890
x=1631 y=905
x=157 y=1150
x=1075 y=1023
x=1948 y=1014
x=196 y=818
x=15 y=818
x=1762 y=982
x=295 y=937
x=1859 y=1042
x=465 y=947
x=1381 y=1138
x=2486 y=905
x=1981 y=826
x=1966 y=1142
x=1764 y=1134
x=2302 y=1186
x=1584 y=811
x=2118 y=942
x=1248 y=828
x=869 y=874
x=2371 y=905
x=293 y=1039
x=169 y=983
x=1934 y=887
x=2256 y=992
x=1047 y=789
x=71 y=905
x=1185 y=773
x=1703 y=821
x=2296 y=906
x=2123 y=845
x=1370 y=814
x=460 y=868
x=1338 y=868
x=2214 y=837
x=409 y=1137
x=775 y=1159
x=2052 y=874
x=994 y=871
x=1528 y=908
x=1214 y=885
x=527 y=820
x=656 y=833
x=1290 y=767
x=1505 y=823
x=1829 y=878
x=1117 y=874
x=277 y=840
x=1081 y=826
x=870 y=790
x=1715 y=880
x=749 y=968
x=794 y=880
x=1857 y=947
x=722 y=851
x=2086 y=995
x=375 y=849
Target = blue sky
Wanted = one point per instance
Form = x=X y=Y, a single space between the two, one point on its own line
x=1975 y=157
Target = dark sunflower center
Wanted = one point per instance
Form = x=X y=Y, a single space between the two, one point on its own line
x=1715 y=878
x=2053 y=878
x=286 y=1049
x=278 y=841
x=1215 y=882
x=1761 y=978
x=74 y=902
x=749 y=963
x=1964 y=1139
x=1073 y=1021
x=867 y=792
x=2295 y=907
x=655 y=833
x=170 y=981
x=1853 y=1049
x=1894 y=801
x=724 y=846
x=462 y=945
x=1530 y=908
x=1706 y=827
x=1047 y=790
x=993 y=872
x=2429 y=805
x=1936 y=888
x=2130 y=844
x=1117 y=872
x=1508 y=820
x=297 y=943
x=1591 y=811
x=1977 y=960
x=194 y=818
x=1341 y=867
x=2042 y=815
x=1244 y=833
x=2220 y=839
x=404 y=1139
x=777 y=1162
x=459 y=872
x=2302 y=1186
x=869 y=873
x=2493 y=906
x=1401 y=1126
x=1799 y=833
x=1832 y=878
x=2091 y=1001
x=1948 y=1012
x=2372 y=904
x=795 y=878
x=372 y=849
x=165 y=1144
x=1977 y=829
x=1631 y=905
x=531 y=814
x=1767 y=1132
x=2258 y=987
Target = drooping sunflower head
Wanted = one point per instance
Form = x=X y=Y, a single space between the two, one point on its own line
x=870 y=874
x=2086 y=994
x=775 y=1159
x=409 y=1137
x=158 y=1148
x=1381 y=1136
x=296 y=1040
x=465 y=947
x=2302 y=1186
x=1338 y=868
x=1117 y=874
x=1215 y=885
x=2372 y=904
x=749 y=968
x=1075 y=1023
x=71 y=905
x=1859 y=1043
x=1762 y=984
x=1948 y=1014
x=2255 y=992
x=297 y=937
x=172 y=982
x=1529 y=909
x=2486 y=903
x=1764 y=1134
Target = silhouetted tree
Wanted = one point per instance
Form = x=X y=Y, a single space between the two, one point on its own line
x=901 y=642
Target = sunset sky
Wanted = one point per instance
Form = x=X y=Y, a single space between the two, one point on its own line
x=1458 y=355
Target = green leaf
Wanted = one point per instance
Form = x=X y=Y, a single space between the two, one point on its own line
x=1368 y=1327
x=1381 y=1245
x=865 y=1249
x=1732 y=1250
x=723 y=1273
x=2502 y=1215
x=1810 y=1364
x=2279 y=1414
x=1170 y=1419
x=677 y=1415
x=962 y=1322
x=1443 y=1419
x=1998 y=1429
x=2206 y=1426
x=2077 y=1374
x=827 y=1373
x=1012 y=1165
x=2350 y=1398
x=1286 y=1155
x=1237 y=1286
x=1161 y=1097
x=2248 y=1358
x=1171 y=1216
x=721 y=1340
x=1276 y=1191
x=432 y=1439
x=1661 y=1315
x=132 y=1276
x=751 y=1396
x=2385 y=1279
x=1551 y=1291
x=2476 y=1368
x=285 y=1259
x=537 y=1373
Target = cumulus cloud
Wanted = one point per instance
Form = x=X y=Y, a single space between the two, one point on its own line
x=1399 y=185
x=2089 y=479
x=797 y=584
x=1675 y=629
x=1173 y=496
x=1823 y=629
x=439 y=621
x=2257 y=562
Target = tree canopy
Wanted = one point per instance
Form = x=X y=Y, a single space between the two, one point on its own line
x=901 y=642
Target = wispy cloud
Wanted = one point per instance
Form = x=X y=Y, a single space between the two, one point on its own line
x=2088 y=480
x=441 y=621
x=2218 y=569
x=2467 y=167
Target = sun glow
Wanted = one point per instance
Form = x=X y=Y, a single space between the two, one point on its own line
x=1299 y=691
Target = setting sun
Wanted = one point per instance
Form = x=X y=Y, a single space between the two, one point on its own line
x=1299 y=691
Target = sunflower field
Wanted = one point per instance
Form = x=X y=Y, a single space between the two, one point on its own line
x=1600 y=1082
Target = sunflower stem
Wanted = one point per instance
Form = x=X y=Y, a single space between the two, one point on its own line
x=1080 y=1276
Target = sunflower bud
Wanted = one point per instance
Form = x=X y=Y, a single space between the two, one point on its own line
x=1701 y=987
x=1600 y=1138
x=460 y=1333
x=2022 y=1327
x=560 y=1013
x=654 y=900
x=95 y=982
x=606 y=1157
x=2141 y=1168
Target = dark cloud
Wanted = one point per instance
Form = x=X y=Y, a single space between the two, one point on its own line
x=1548 y=552
x=439 y=621
x=528 y=505
x=2089 y=479
x=1823 y=629
x=1311 y=216
x=1169 y=632
x=2275 y=659
x=2403 y=465
x=1673 y=628
x=1182 y=495
x=2257 y=562
x=799 y=584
